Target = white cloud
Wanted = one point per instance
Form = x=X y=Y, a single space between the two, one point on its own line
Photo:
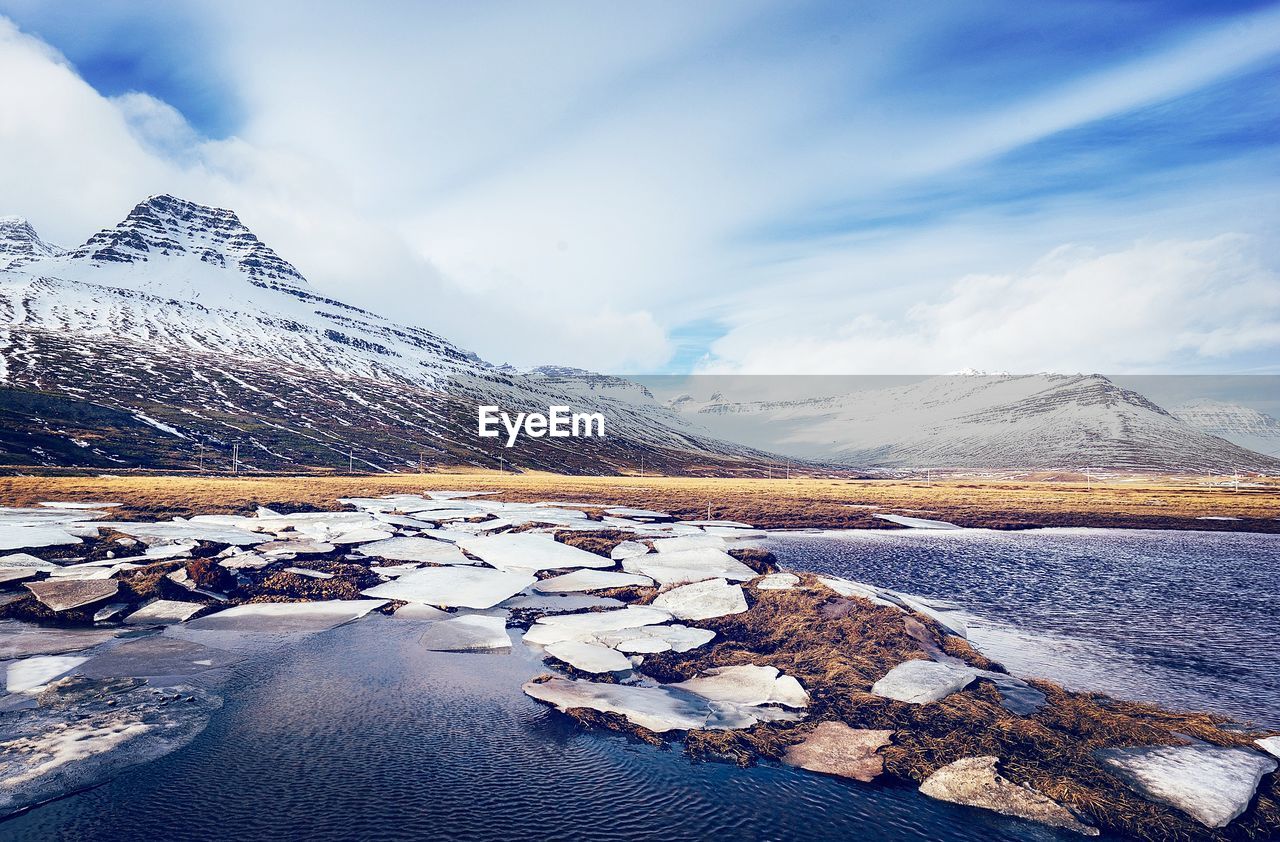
x=567 y=183
x=1076 y=309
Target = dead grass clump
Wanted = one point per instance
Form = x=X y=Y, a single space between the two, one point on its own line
x=284 y=586
x=148 y=582
x=31 y=610
x=594 y=719
x=207 y=573
x=742 y=748
x=633 y=594
x=761 y=561
x=600 y=542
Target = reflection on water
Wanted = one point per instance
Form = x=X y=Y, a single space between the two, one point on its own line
x=361 y=733
x=1181 y=618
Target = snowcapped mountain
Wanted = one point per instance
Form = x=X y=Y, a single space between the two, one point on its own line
x=1001 y=422
x=171 y=337
x=19 y=243
x=1238 y=424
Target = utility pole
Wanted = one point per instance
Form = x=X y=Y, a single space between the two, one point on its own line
x=200 y=449
x=708 y=511
x=641 y=466
x=351 y=460
x=502 y=464
x=235 y=457
x=788 y=469
x=420 y=457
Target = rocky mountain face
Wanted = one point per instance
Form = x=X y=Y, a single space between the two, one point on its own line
x=20 y=244
x=981 y=422
x=169 y=339
x=1238 y=424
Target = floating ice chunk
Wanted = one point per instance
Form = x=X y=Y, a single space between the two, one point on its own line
x=655 y=708
x=733 y=524
x=1271 y=745
x=747 y=684
x=590 y=580
x=529 y=553
x=19 y=640
x=584 y=626
x=415 y=549
x=454 y=587
x=777 y=582
x=848 y=587
x=360 y=535
x=16 y=574
x=974 y=782
x=917 y=522
x=628 y=549
x=26 y=560
x=468 y=633
x=1211 y=784
x=295 y=546
x=589 y=657
x=33 y=673
x=66 y=594
x=161 y=611
x=14 y=537
x=649 y=639
x=154 y=533
x=703 y=600
x=418 y=611
x=688 y=542
x=919 y=682
x=287 y=617
x=626 y=511
x=680 y=567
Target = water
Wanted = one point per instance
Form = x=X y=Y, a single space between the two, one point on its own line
x=360 y=733
x=1186 y=619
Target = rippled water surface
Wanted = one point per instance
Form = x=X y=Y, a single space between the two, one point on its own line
x=359 y=733
x=1182 y=618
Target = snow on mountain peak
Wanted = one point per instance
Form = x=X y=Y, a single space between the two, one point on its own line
x=166 y=226
x=20 y=244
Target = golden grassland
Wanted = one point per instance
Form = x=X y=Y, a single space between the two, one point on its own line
x=1154 y=502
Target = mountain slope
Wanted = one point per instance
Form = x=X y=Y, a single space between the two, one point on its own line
x=20 y=244
x=1238 y=424
x=182 y=318
x=981 y=422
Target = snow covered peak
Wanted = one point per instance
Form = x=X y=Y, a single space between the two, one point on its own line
x=166 y=226
x=20 y=244
x=1238 y=424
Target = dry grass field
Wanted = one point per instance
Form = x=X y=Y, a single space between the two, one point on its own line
x=775 y=503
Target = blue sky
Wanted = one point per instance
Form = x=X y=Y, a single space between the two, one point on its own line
x=745 y=187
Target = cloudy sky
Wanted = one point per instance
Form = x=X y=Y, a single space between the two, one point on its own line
x=901 y=187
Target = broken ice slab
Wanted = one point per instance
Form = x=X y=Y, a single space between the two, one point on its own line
x=530 y=553
x=420 y=549
x=467 y=633
x=453 y=587
x=286 y=617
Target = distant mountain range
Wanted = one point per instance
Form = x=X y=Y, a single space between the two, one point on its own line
x=177 y=339
x=994 y=422
x=167 y=340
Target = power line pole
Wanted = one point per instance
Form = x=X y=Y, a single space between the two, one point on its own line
x=200 y=449
x=351 y=460
x=235 y=457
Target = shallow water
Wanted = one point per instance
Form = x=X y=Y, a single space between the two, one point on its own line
x=361 y=733
x=1185 y=619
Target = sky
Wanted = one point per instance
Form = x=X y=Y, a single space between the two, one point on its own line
x=715 y=187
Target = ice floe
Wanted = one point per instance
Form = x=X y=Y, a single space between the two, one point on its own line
x=286 y=617
x=917 y=522
x=628 y=549
x=974 y=782
x=17 y=537
x=747 y=684
x=659 y=638
x=777 y=582
x=530 y=553
x=590 y=580
x=164 y=611
x=426 y=550
x=1210 y=783
x=589 y=657
x=453 y=587
x=33 y=673
x=703 y=600
x=555 y=628
x=919 y=682
x=467 y=633
x=66 y=594
x=681 y=567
